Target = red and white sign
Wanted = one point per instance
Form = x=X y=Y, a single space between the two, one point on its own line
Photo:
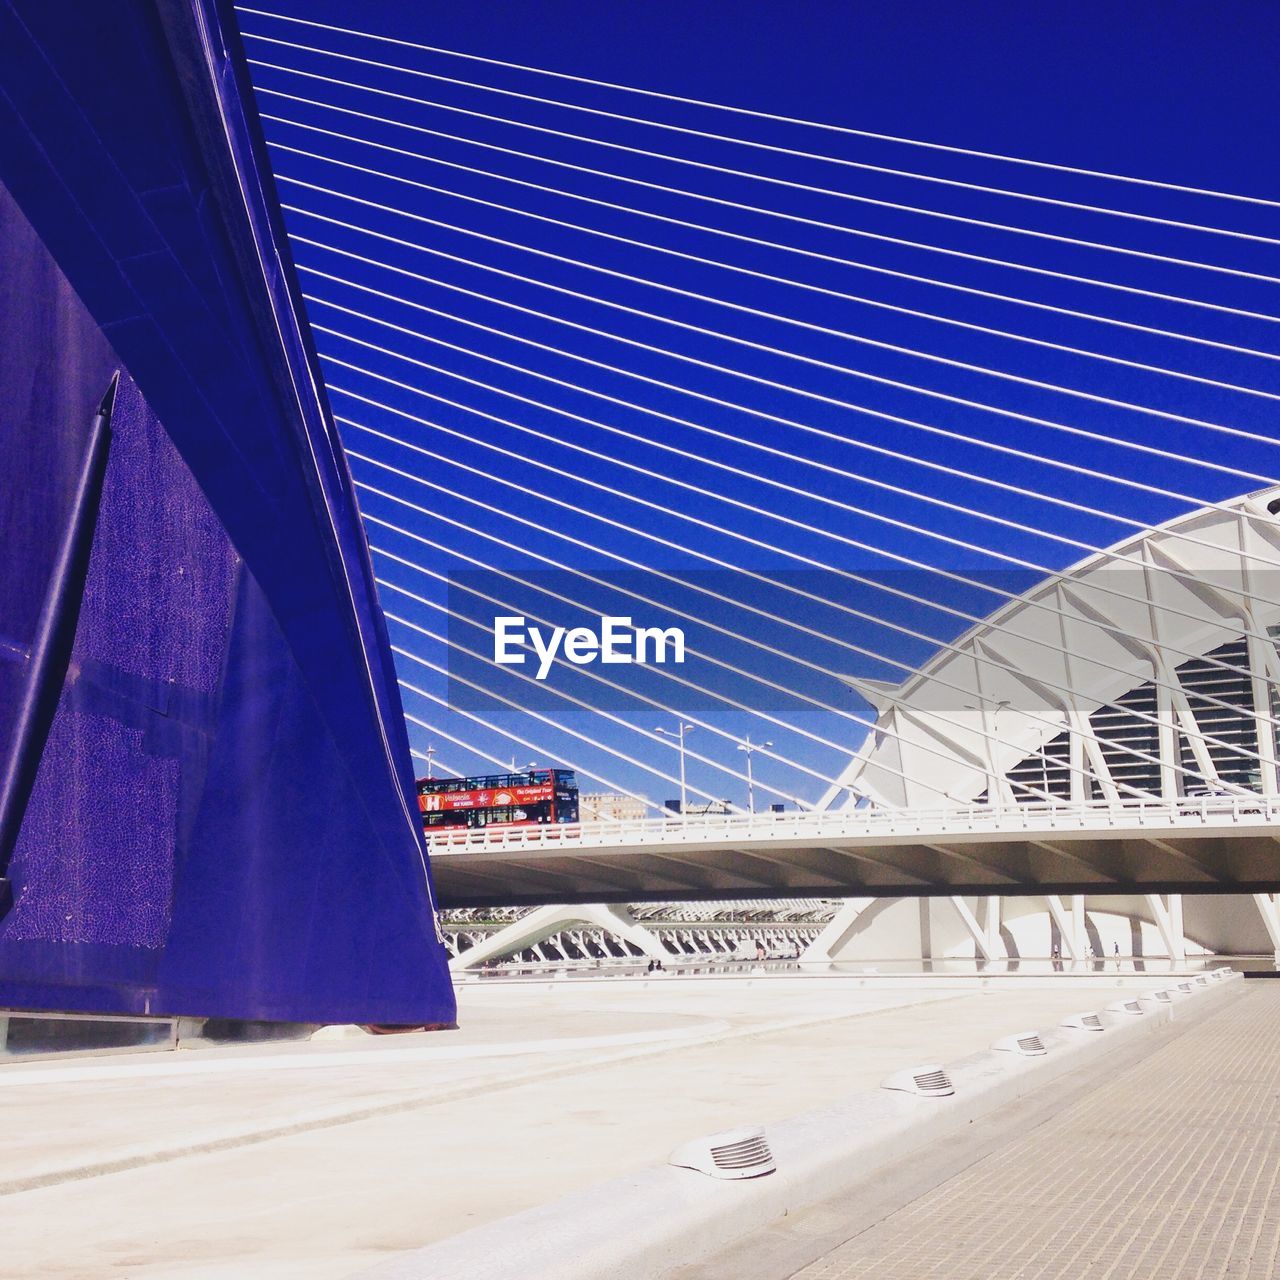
x=501 y=797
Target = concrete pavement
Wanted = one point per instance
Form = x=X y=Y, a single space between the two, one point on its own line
x=318 y=1160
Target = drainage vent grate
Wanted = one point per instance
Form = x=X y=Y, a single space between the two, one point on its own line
x=748 y=1154
x=1125 y=1006
x=1184 y=986
x=925 y=1082
x=1201 y=980
x=1165 y=997
x=1026 y=1043
x=1084 y=1022
x=737 y=1153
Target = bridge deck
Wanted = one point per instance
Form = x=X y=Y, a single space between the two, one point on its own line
x=1220 y=844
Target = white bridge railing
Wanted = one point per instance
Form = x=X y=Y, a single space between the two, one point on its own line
x=814 y=827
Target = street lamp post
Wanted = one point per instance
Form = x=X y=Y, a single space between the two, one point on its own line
x=431 y=762
x=750 y=748
x=678 y=734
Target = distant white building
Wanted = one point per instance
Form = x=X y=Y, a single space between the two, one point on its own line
x=1149 y=670
x=595 y=806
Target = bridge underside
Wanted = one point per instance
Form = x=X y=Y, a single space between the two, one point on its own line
x=1245 y=861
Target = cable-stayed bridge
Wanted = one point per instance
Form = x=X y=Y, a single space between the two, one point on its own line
x=959 y=468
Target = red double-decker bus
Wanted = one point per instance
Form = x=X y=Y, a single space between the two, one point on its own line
x=502 y=799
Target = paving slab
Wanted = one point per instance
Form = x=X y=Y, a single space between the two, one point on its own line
x=1168 y=1171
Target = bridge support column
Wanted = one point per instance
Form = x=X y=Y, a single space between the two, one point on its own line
x=1058 y=914
x=991 y=924
x=986 y=936
x=1168 y=918
x=1079 y=927
x=837 y=933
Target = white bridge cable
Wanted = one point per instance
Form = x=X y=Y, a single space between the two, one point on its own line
x=1145 y=601
x=458 y=647
x=757 y=312
x=1269 y=442
x=1234 y=512
x=720 y=202
x=524 y=709
x=1062 y=764
x=758 y=379
x=759 y=242
x=1014 y=784
x=894 y=522
x=864 y=166
x=634 y=498
x=804 y=460
x=876 y=655
x=773 y=117
x=842 y=748
x=1122 y=558
x=759 y=478
x=818 y=739
x=815 y=189
x=720 y=597
x=510 y=737
x=661 y=445
x=616 y=685
x=990 y=737
x=1111 y=285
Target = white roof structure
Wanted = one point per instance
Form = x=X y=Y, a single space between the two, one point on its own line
x=1135 y=656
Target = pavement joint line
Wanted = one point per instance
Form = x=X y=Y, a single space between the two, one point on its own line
x=173 y=1064
x=329 y=1119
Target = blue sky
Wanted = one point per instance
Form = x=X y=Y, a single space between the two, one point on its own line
x=1175 y=92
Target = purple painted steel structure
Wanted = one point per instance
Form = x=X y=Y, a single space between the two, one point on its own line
x=222 y=822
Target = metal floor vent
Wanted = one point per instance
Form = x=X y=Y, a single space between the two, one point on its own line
x=1185 y=986
x=736 y=1153
x=1201 y=980
x=1125 y=1006
x=925 y=1082
x=1084 y=1022
x=1165 y=997
x=1026 y=1043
